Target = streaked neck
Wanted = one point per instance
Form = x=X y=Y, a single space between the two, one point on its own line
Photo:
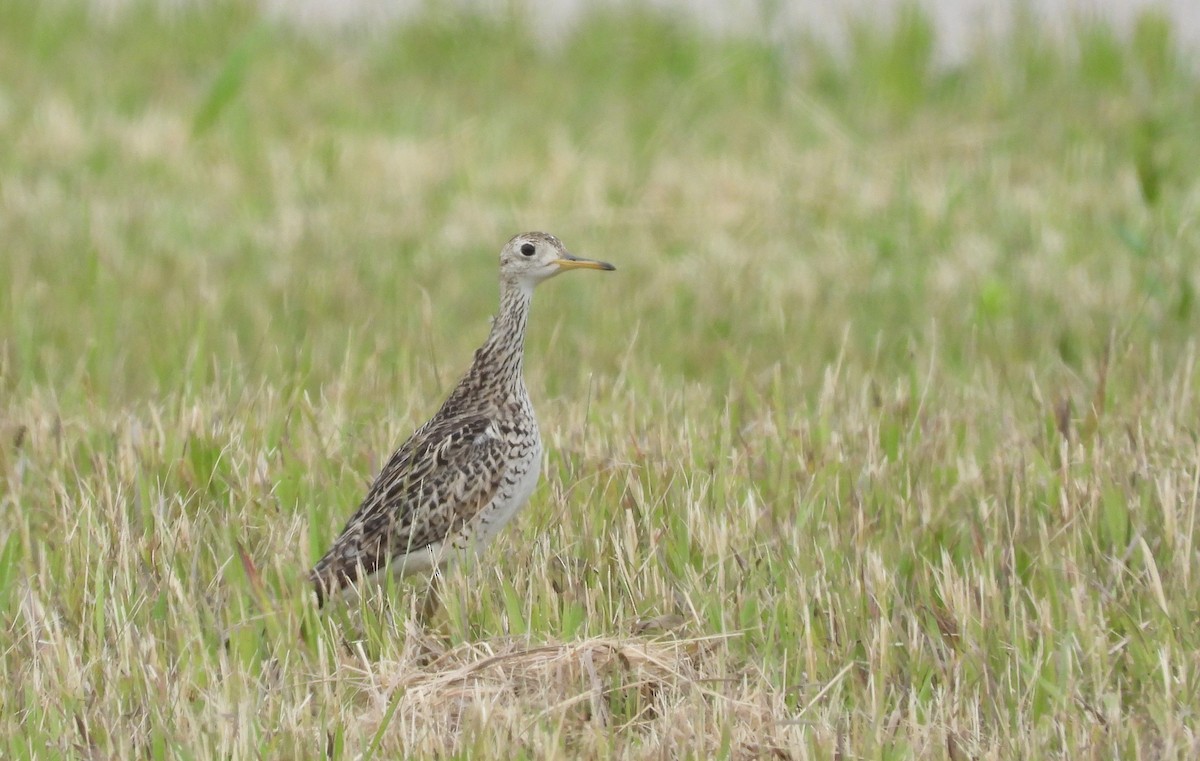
x=499 y=362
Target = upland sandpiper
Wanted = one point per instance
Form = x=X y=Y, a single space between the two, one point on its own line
x=460 y=477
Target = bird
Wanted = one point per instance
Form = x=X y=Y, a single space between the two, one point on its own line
x=460 y=477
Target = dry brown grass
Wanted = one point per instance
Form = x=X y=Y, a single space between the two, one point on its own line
x=662 y=697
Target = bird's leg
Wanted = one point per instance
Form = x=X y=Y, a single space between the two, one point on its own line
x=432 y=600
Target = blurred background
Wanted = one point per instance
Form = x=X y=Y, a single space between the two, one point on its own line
x=959 y=25
x=192 y=186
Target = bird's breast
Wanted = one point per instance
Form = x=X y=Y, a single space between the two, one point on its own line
x=520 y=479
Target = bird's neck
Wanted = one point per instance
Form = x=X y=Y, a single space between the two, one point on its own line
x=498 y=363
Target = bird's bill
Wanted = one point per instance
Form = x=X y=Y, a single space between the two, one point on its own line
x=571 y=262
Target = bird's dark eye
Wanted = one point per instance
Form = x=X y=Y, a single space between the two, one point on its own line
x=528 y=249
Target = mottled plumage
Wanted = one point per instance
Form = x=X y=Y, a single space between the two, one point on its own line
x=462 y=475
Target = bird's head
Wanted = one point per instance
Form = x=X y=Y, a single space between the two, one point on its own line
x=530 y=258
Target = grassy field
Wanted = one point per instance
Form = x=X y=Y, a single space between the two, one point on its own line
x=882 y=442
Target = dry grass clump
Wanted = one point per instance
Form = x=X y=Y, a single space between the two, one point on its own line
x=634 y=697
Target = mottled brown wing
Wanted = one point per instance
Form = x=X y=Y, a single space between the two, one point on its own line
x=437 y=481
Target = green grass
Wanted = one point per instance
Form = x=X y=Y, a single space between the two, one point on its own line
x=882 y=440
